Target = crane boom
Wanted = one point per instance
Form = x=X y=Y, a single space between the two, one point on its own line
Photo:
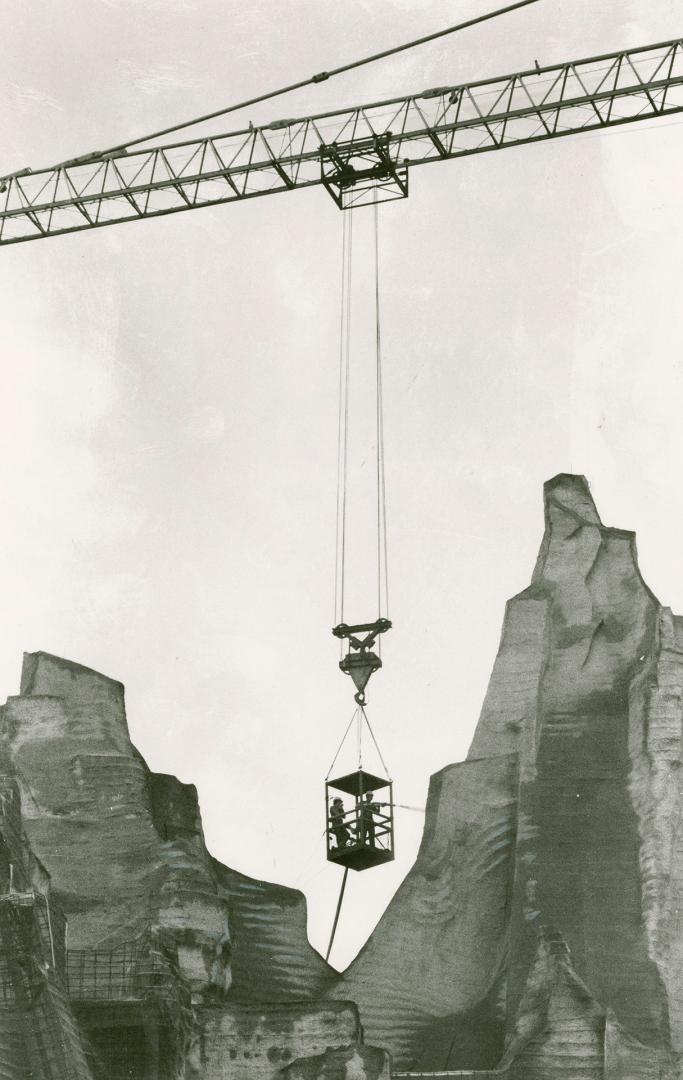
x=359 y=154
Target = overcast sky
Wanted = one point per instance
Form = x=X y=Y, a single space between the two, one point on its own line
x=169 y=414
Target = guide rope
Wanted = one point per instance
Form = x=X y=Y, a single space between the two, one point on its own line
x=336 y=916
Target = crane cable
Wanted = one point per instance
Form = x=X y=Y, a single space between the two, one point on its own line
x=381 y=484
x=322 y=76
x=343 y=429
x=343 y=425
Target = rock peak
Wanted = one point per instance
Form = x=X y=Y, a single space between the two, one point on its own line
x=40 y=670
x=570 y=492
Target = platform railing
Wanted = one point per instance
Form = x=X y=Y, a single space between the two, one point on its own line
x=370 y=833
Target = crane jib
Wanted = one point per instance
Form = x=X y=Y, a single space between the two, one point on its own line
x=360 y=155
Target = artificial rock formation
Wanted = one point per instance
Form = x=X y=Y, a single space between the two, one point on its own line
x=537 y=937
x=565 y=820
x=154 y=981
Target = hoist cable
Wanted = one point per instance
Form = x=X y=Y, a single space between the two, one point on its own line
x=322 y=76
x=378 y=407
x=343 y=421
x=347 y=376
x=336 y=916
x=381 y=486
x=342 y=313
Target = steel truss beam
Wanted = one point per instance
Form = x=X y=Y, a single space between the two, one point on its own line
x=379 y=141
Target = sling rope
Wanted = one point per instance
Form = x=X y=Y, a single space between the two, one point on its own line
x=384 y=764
x=321 y=76
x=359 y=736
x=359 y=716
x=343 y=740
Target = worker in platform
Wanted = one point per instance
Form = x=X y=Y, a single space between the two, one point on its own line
x=368 y=809
x=337 y=825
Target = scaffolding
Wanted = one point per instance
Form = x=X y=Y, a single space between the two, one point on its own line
x=15 y=854
x=36 y=926
x=52 y=999
x=142 y=972
x=32 y=993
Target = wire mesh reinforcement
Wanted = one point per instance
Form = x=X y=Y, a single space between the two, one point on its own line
x=128 y=972
x=144 y=971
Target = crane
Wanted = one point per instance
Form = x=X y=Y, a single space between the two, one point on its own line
x=359 y=155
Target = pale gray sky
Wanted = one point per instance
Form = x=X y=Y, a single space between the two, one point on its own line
x=169 y=412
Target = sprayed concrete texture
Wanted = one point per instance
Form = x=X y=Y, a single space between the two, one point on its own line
x=352 y=1063
x=538 y=936
x=249 y=1041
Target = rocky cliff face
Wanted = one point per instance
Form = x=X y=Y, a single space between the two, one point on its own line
x=538 y=935
x=124 y=846
x=565 y=820
x=151 y=916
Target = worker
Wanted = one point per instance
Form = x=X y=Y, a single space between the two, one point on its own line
x=368 y=809
x=337 y=826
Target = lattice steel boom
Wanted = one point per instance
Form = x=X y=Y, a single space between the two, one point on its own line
x=359 y=154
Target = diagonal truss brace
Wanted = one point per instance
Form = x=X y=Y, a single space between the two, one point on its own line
x=367 y=150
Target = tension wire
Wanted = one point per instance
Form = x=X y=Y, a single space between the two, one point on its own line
x=321 y=76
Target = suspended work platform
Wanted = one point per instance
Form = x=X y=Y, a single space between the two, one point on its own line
x=361 y=835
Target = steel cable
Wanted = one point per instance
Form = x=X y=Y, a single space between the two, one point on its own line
x=322 y=76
